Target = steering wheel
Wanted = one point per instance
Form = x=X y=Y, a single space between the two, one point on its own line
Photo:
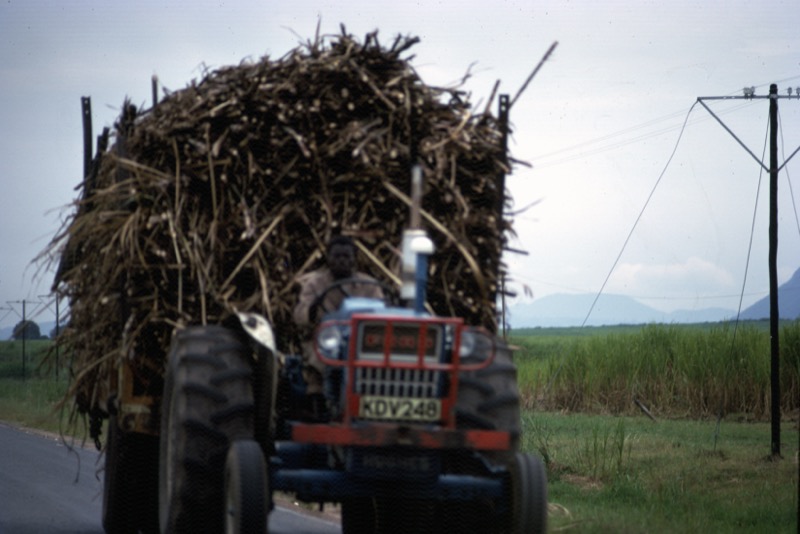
x=389 y=293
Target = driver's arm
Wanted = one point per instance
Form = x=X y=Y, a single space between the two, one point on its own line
x=308 y=293
x=373 y=290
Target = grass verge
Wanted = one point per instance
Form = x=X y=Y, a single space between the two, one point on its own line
x=33 y=404
x=630 y=474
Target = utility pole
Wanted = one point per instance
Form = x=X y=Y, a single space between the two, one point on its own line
x=24 y=335
x=774 y=333
x=58 y=325
x=774 y=168
x=24 y=332
x=24 y=326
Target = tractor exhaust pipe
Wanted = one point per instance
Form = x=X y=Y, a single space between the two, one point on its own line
x=417 y=246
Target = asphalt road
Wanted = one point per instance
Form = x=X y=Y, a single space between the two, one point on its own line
x=49 y=487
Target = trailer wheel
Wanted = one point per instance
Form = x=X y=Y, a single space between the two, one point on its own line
x=208 y=403
x=528 y=495
x=246 y=489
x=130 y=482
x=488 y=399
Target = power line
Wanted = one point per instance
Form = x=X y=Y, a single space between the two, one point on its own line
x=639 y=217
x=541 y=161
x=672 y=297
x=627 y=239
x=752 y=235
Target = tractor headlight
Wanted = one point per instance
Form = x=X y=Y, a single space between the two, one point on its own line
x=468 y=343
x=476 y=345
x=329 y=339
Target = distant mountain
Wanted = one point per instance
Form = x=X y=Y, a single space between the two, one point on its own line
x=571 y=310
x=788 y=302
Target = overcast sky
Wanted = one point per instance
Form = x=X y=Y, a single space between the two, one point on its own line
x=598 y=123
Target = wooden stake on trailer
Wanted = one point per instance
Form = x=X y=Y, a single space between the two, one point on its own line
x=86 y=113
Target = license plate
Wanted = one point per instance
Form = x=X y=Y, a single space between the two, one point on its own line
x=393 y=408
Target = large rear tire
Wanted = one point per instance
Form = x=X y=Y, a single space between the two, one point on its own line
x=488 y=399
x=246 y=489
x=130 y=482
x=208 y=403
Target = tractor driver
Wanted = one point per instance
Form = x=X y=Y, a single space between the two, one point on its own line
x=341 y=263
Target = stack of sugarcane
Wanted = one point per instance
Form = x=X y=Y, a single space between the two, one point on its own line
x=218 y=198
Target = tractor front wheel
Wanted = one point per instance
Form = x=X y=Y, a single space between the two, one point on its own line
x=246 y=489
x=528 y=495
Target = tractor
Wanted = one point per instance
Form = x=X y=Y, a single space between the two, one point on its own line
x=420 y=430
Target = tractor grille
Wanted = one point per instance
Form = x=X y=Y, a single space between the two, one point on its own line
x=402 y=383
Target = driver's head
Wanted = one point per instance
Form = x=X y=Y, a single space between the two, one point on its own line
x=341 y=256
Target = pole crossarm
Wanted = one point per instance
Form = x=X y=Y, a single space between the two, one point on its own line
x=753 y=97
x=796 y=150
x=700 y=99
x=12 y=308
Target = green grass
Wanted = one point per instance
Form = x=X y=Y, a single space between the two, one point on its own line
x=630 y=474
x=612 y=469
x=22 y=360
x=32 y=403
x=29 y=391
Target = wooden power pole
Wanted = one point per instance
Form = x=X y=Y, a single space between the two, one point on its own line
x=774 y=318
x=774 y=333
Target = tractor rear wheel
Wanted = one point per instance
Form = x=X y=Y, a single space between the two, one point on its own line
x=488 y=399
x=207 y=404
